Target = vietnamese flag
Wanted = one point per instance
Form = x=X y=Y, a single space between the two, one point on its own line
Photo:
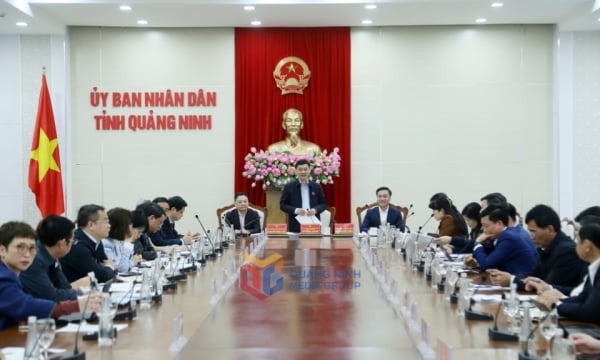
x=45 y=179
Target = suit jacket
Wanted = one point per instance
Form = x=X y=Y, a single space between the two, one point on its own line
x=251 y=220
x=86 y=256
x=372 y=219
x=558 y=265
x=291 y=199
x=45 y=279
x=15 y=304
x=167 y=235
x=510 y=254
x=143 y=246
x=583 y=307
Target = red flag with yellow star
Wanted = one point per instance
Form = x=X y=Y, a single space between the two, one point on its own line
x=45 y=179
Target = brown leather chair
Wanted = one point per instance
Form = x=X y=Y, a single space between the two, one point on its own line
x=262 y=213
x=361 y=210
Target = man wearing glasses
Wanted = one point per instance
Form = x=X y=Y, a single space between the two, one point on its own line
x=87 y=253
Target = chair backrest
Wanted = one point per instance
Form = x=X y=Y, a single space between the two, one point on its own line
x=262 y=213
x=361 y=211
x=328 y=219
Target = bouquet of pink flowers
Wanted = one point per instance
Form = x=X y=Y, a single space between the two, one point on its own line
x=277 y=169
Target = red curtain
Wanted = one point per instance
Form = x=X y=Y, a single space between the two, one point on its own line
x=325 y=104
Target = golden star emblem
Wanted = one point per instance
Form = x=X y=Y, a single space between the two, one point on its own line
x=291 y=68
x=44 y=155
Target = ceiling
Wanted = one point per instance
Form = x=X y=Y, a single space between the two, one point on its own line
x=54 y=16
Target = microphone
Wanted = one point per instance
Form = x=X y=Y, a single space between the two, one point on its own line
x=130 y=313
x=106 y=286
x=422 y=226
x=76 y=355
x=250 y=222
x=501 y=334
x=470 y=314
x=213 y=254
x=524 y=353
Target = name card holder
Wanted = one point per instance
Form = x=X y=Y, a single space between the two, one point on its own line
x=344 y=229
x=276 y=229
x=312 y=229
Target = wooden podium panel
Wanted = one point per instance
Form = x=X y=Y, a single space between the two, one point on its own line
x=276 y=216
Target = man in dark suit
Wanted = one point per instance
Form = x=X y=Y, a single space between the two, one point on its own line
x=243 y=215
x=501 y=247
x=167 y=235
x=302 y=197
x=383 y=213
x=45 y=279
x=87 y=253
x=558 y=263
x=583 y=307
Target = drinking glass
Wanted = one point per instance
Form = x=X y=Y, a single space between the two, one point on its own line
x=46 y=329
x=548 y=328
x=511 y=309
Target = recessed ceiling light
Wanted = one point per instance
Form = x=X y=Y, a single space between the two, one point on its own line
x=142 y=22
x=125 y=8
x=21 y=23
x=497 y=4
x=249 y=8
x=255 y=23
x=367 y=22
x=598 y=19
x=370 y=6
x=481 y=20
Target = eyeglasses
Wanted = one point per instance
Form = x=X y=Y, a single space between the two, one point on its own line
x=102 y=221
x=24 y=248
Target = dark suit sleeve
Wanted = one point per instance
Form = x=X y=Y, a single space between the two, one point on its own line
x=253 y=220
x=369 y=221
x=317 y=201
x=398 y=223
x=232 y=218
x=82 y=258
x=36 y=281
x=583 y=307
x=285 y=203
x=16 y=305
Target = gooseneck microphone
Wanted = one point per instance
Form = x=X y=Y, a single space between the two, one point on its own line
x=76 y=355
x=212 y=246
x=130 y=313
x=425 y=223
x=470 y=314
x=496 y=334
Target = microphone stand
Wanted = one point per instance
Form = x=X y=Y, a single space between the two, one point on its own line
x=496 y=334
x=471 y=314
x=130 y=313
x=213 y=254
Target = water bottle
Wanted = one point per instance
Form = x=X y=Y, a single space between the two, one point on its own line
x=146 y=291
x=106 y=334
x=463 y=294
x=451 y=276
x=525 y=330
x=32 y=350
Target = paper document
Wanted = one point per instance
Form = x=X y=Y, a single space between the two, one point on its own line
x=304 y=220
x=86 y=328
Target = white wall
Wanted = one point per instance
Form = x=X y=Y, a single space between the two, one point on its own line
x=119 y=168
x=586 y=119
x=465 y=110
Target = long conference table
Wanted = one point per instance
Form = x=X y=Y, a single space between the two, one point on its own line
x=330 y=306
